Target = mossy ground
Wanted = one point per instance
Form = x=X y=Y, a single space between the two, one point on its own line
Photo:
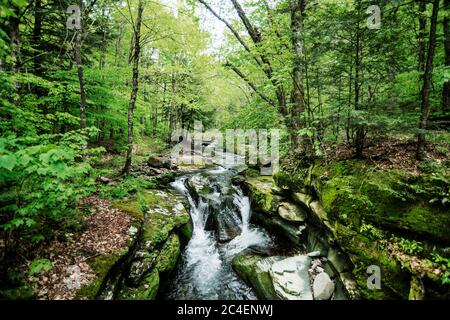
x=353 y=193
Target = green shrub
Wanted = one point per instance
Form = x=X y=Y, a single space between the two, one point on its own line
x=44 y=180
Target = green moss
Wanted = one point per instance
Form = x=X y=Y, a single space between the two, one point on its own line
x=186 y=231
x=260 y=189
x=294 y=182
x=365 y=252
x=164 y=212
x=147 y=290
x=169 y=254
x=245 y=266
x=101 y=265
x=353 y=192
x=24 y=292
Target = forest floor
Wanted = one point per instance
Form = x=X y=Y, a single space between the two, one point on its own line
x=393 y=153
x=107 y=232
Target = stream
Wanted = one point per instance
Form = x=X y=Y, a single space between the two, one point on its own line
x=221 y=229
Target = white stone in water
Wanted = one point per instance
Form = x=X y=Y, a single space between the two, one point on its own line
x=323 y=287
x=290 y=278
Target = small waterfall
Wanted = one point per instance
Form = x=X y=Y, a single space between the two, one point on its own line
x=249 y=236
x=223 y=212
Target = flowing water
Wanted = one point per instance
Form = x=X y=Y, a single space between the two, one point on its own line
x=221 y=229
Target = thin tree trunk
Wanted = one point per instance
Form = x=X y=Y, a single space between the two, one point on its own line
x=359 y=139
x=134 y=91
x=298 y=99
x=101 y=62
x=420 y=154
x=79 y=62
x=421 y=37
x=15 y=40
x=117 y=51
x=37 y=30
x=446 y=88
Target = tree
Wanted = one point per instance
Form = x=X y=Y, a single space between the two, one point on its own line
x=134 y=91
x=446 y=26
x=425 y=93
x=80 y=71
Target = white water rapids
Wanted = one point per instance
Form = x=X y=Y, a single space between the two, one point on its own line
x=205 y=269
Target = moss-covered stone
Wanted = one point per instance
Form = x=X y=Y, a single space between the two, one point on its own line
x=364 y=253
x=352 y=192
x=293 y=182
x=260 y=190
x=169 y=254
x=147 y=290
x=160 y=211
x=101 y=266
x=185 y=232
x=248 y=267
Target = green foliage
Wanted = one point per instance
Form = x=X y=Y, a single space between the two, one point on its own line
x=44 y=180
x=39 y=265
x=371 y=232
x=126 y=187
x=409 y=246
x=445 y=263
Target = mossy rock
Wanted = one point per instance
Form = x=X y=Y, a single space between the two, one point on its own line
x=169 y=254
x=161 y=213
x=147 y=290
x=293 y=182
x=352 y=192
x=185 y=233
x=101 y=266
x=249 y=269
x=260 y=191
x=364 y=252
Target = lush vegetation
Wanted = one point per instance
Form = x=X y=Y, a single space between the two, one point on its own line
x=77 y=103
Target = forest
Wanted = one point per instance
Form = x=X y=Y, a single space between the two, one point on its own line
x=93 y=205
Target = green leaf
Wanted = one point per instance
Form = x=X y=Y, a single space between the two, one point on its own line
x=8 y=162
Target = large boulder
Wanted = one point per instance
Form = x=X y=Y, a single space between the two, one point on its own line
x=292 y=212
x=159 y=163
x=323 y=287
x=163 y=217
x=291 y=278
x=254 y=270
x=293 y=232
x=260 y=191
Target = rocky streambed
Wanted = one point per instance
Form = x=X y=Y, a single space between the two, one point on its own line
x=215 y=235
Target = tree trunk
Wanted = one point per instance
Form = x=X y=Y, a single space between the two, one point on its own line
x=359 y=138
x=79 y=62
x=14 y=37
x=37 y=30
x=420 y=153
x=118 y=45
x=134 y=91
x=101 y=62
x=421 y=37
x=297 y=94
x=446 y=88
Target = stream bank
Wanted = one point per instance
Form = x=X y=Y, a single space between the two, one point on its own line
x=358 y=217
x=292 y=236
